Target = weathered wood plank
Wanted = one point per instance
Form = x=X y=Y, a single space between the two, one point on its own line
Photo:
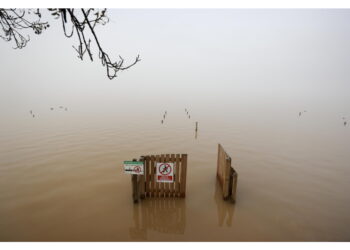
x=226 y=174
x=172 y=185
x=153 y=184
x=218 y=162
x=177 y=176
x=183 y=174
x=148 y=176
x=157 y=184
x=167 y=185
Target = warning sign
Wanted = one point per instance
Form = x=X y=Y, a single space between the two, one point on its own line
x=165 y=172
x=133 y=167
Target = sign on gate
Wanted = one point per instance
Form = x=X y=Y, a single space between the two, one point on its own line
x=165 y=172
x=133 y=167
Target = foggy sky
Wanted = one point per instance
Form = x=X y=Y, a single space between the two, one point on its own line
x=188 y=55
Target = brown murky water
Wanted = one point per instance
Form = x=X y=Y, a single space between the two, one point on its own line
x=62 y=179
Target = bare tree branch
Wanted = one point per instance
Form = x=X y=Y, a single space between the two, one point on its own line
x=13 y=20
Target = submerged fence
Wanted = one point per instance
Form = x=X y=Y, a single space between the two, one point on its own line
x=226 y=175
x=165 y=176
x=148 y=185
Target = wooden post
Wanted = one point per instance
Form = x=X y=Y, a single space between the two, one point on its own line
x=234 y=185
x=135 y=187
x=141 y=181
x=227 y=176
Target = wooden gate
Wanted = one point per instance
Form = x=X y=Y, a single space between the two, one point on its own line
x=147 y=186
x=226 y=174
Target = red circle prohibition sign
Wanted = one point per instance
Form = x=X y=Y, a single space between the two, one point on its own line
x=164 y=169
x=137 y=169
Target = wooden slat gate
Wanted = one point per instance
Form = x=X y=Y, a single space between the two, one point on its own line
x=226 y=175
x=147 y=186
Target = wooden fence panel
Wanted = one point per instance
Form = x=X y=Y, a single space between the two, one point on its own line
x=226 y=175
x=147 y=185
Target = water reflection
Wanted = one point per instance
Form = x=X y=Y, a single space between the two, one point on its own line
x=225 y=209
x=166 y=216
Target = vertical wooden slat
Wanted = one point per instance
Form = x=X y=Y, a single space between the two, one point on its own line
x=162 y=184
x=148 y=176
x=145 y=174
x=221 y=165
x=172 y=185
x=218 y=161
x=177 y=177
x=158 y=159
x=149 y=165
x=167 y=185
x=153 y=186
x=157 y=191
x=183 y=174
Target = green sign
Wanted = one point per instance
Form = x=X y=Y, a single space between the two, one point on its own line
x=133 y=167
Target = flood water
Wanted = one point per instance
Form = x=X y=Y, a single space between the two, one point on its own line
x=61 y=172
